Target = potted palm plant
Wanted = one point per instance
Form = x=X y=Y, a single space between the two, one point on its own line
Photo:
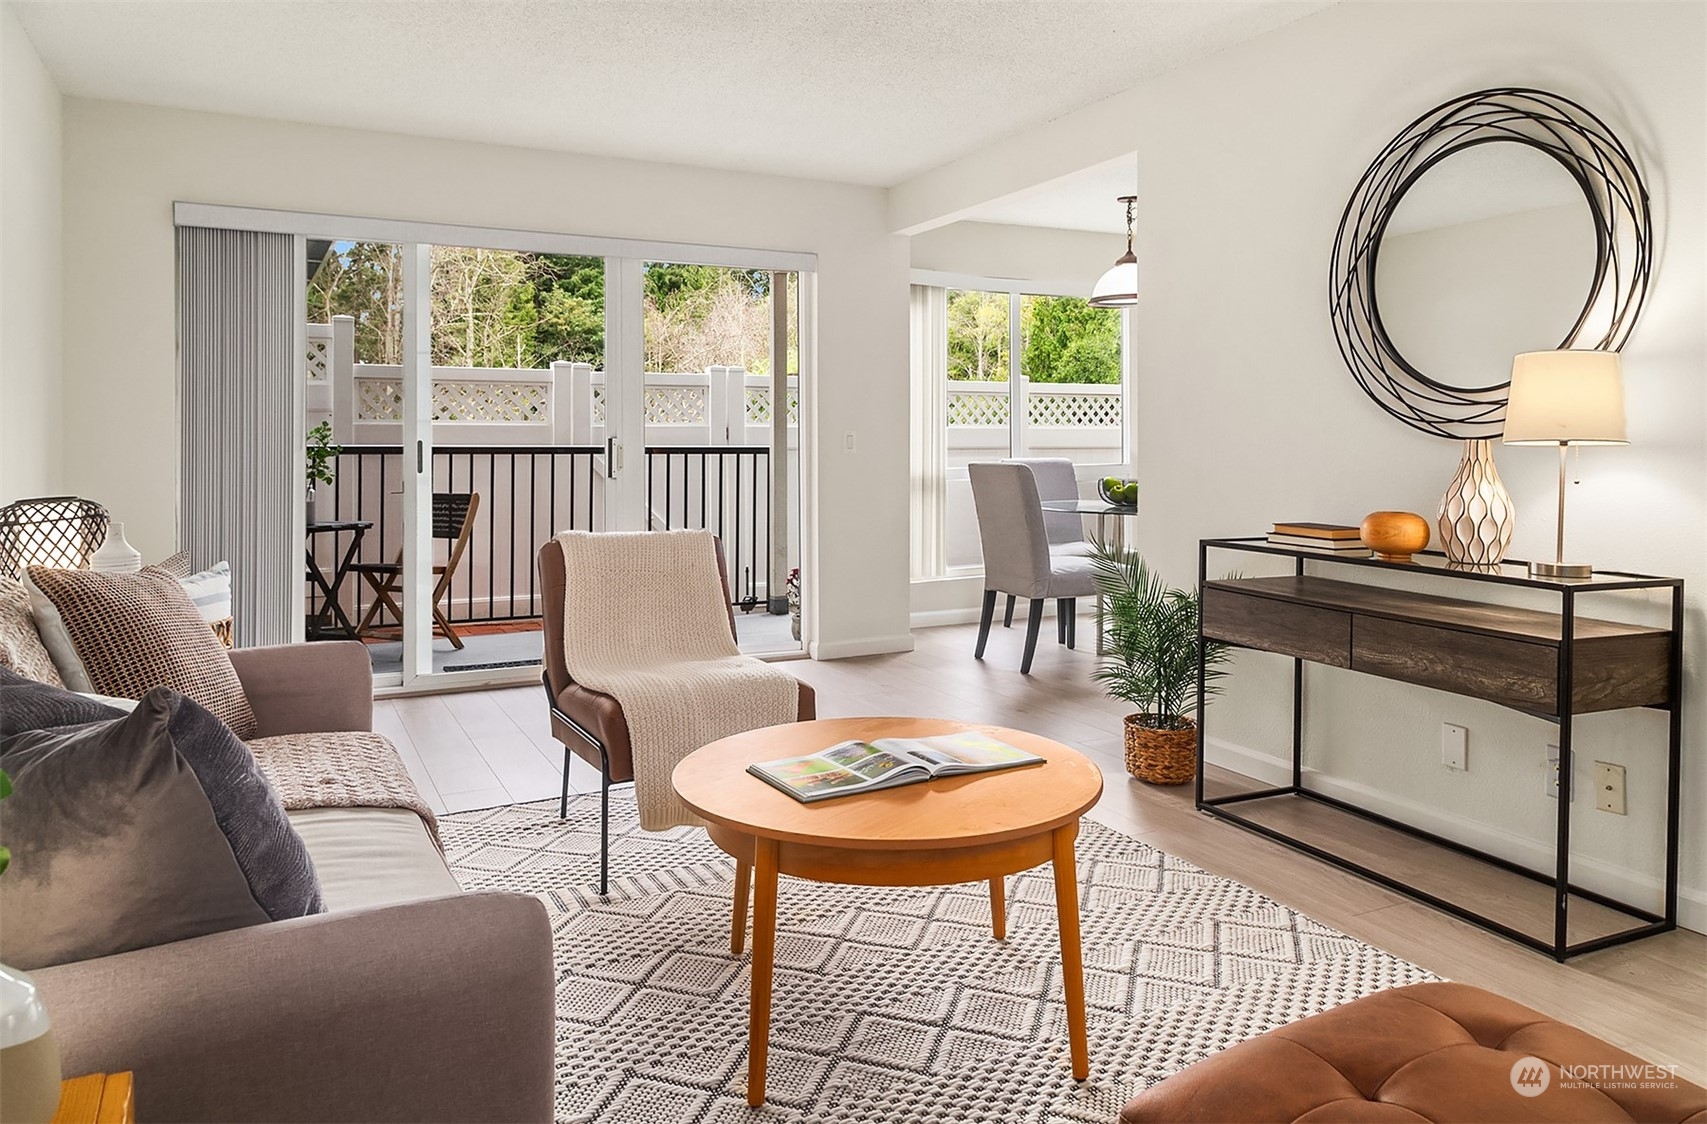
x=1150 y=658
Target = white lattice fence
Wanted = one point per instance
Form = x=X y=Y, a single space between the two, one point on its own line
x=381 y=399
x=759 y=406
x=319 y=357
x=378 y=399
x=491 y=401
x=677 y=405
x=1075 y=407
x=978 y=407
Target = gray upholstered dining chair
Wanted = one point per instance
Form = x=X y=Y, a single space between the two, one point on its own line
x=1056 y=480
x=1017 y=558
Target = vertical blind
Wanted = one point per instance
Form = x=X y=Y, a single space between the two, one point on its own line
x=929 y=428
x=240 y=467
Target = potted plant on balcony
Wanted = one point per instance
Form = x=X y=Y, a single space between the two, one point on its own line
x=1150 y=659
x=320 y=454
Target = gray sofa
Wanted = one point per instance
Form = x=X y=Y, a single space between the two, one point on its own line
x=407 y=1000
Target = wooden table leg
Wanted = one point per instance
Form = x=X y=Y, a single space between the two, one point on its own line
x=998 y=909
x=738 y=924
x=1072 y=958
x=764 y=956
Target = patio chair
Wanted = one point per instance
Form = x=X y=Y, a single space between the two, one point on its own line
x=59 y=531
x=453 y=521
x=591 y=724
x=1017 y=558
x=1057 y=479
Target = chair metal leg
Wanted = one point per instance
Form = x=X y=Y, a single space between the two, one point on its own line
x=1072 y=621
x=984 y=616
x=1032 y=623
x=604 y=833
x=1061 y=604
x=1008 y=613
x=563 y=801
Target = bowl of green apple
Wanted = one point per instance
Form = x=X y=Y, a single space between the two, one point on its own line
x=1122 y=493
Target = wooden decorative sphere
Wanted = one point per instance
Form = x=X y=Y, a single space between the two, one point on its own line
x=1394 y=535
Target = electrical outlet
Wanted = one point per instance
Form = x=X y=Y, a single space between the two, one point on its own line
x=1454 y=747
x=848 y=441
x=1550 y=781
x=1609 y=788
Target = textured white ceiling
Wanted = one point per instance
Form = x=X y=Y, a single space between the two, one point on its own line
x=861 y=91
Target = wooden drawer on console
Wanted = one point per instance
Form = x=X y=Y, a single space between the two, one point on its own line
x=1611 y=670
x=1513 y=672
x=1287 y=627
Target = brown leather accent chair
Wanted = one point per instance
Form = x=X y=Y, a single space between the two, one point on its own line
x=590 y=724
x=1432 y=1051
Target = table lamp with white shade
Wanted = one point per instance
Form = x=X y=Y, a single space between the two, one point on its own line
x=1564 y=398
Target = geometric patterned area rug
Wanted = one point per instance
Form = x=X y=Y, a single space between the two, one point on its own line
x=893 y=1004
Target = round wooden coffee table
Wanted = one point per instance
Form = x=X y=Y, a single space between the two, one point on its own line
x=957 y=829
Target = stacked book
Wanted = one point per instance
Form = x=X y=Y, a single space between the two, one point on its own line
x=1332 y=538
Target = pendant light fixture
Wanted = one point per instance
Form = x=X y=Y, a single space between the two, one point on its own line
x=1118 y=288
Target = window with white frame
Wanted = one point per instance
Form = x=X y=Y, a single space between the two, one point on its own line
x=1005 y=369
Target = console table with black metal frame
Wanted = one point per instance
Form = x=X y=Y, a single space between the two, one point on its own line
x=1549 y=665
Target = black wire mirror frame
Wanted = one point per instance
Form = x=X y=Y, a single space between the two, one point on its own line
x=1623 y=230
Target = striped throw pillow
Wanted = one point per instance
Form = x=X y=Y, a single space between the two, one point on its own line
x=122 y=634
x=210 y=593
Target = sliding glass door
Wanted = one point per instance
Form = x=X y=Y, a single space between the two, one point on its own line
x=468 y=394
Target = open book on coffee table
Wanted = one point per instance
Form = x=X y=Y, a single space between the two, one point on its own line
x=847 y=768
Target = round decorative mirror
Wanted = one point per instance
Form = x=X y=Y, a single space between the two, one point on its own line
x=1504 y=221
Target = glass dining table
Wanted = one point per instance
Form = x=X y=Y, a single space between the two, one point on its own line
x=1106 y=514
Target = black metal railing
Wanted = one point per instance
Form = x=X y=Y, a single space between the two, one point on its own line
x=528 y=494
x=724 y=489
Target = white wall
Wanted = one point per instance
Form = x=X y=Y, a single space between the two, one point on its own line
x=1245 y=413
x=1030 y=253
x=30 y=401
x=126 y=164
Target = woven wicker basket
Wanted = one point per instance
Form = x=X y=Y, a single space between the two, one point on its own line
x=1160 y=756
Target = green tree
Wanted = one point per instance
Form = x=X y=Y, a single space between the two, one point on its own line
x=1066 y=340
x=363 y=280
x=502 y=308
x=977 y=336
x=483 y=312
x=569 y=303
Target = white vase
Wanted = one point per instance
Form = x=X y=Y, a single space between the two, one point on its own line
x=116 y=556
x=29 y=1060
x=1476 y=514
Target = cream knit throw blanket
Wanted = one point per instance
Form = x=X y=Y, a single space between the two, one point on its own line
x=645 y=621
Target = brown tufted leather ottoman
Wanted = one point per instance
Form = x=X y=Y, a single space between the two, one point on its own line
x=1429 y=1052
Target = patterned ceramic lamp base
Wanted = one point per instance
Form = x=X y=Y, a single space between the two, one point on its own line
x=1476 y=515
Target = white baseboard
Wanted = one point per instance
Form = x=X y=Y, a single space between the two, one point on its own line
x=935 y=618
x=1615 y=881
x=865 y=646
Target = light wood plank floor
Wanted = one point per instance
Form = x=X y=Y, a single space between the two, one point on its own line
x=480 y=749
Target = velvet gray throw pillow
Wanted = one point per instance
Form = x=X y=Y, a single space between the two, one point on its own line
x=140 y=830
